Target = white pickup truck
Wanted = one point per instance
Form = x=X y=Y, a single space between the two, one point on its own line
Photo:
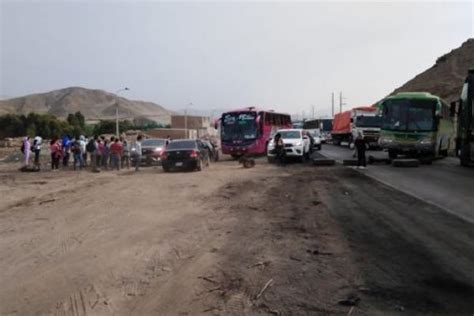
x=297 y=144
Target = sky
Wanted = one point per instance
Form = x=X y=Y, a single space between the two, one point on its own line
x=285 y=56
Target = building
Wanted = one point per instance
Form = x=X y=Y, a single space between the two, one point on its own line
x=200 y=124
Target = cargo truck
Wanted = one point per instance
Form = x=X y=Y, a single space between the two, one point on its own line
x=347 y=125
x=465 y=122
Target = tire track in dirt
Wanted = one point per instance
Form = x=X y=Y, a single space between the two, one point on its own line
x=282 y=233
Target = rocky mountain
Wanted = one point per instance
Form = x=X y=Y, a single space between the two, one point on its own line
x=93 y=104
x=446 y=77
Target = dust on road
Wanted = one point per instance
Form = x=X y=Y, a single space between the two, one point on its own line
x=229 y=240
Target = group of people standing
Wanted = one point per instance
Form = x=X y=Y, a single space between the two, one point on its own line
x=97 y=152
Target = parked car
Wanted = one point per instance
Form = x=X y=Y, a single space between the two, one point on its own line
x=151 y=151
x=213 y=150
x=325 y=136
x=315 y=139
x=185 y=154
x=296 y=144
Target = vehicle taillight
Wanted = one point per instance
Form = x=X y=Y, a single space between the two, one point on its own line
x=164 y=155
x=194 y=154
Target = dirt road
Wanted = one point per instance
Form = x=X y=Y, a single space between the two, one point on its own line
x=267 y=240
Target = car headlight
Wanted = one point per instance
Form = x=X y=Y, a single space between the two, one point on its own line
x=386 y=140
x=426 y=141
x=157 y=149
x=299 y=143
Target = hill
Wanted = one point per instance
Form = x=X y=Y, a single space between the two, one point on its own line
x=93 y=104
x=446 y=77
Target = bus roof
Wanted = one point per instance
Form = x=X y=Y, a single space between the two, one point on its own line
x=253 y=109
x=414 y=95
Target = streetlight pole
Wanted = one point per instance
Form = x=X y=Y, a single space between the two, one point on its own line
x=116 y=112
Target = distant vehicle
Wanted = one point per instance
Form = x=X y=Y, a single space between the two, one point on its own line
x=151 y=151
x=247 y=131
x=465 y=122
x=315 y=139
x=297 y=125
x=323 y=124
x=325 y=136
x=416 y=124
x=297 y=144
x=185 y=154
x=347 y=125
x=213 y=150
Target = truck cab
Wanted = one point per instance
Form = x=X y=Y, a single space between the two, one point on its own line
x=363 y=120
x=367 y=123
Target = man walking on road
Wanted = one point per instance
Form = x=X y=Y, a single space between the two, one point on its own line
x=137 y=152
x=360 y=147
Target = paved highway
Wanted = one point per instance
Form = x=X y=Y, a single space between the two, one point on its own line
x=444 y=183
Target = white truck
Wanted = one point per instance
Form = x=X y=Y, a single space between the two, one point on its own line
x=347 y=125
x=297 y=144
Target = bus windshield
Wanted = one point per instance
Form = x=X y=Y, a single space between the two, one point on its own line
x=239 y=126
x=409 y=115
x=369 y=121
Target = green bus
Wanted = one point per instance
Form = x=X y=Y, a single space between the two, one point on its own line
x=465 y=122
x=417 y=125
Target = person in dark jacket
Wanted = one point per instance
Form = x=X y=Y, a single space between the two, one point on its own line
x=360 y=147
x=280 y=150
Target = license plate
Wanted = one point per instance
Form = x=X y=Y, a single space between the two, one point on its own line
x=178 y=164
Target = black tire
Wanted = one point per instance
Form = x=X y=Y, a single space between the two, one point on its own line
x=166 y=169
x=271 y=159
x=319 y=147
x=303 y=158
x=392 y=154
x=199 y=165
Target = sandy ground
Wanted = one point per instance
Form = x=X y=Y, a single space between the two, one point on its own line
x=228 y=240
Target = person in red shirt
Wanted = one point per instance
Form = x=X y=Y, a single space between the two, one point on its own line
x=56 y=153
x=116 y=151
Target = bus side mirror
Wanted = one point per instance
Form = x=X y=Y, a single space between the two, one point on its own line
x=452 y=109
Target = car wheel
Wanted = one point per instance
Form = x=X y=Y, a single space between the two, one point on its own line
x=303 y=158
x=166 y=169
x=199 y=165
x=270 y=159
x=319 y=147
x=392 y=154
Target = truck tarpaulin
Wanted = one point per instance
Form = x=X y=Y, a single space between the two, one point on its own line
x=342 y=123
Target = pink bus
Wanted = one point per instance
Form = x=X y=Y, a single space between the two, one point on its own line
x=247 y=131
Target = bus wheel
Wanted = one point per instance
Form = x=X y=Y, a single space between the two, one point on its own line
x=392 y=154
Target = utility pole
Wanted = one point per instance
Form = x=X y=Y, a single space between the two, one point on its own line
x=117 y=131
x=332 y=111
x=341 y=103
